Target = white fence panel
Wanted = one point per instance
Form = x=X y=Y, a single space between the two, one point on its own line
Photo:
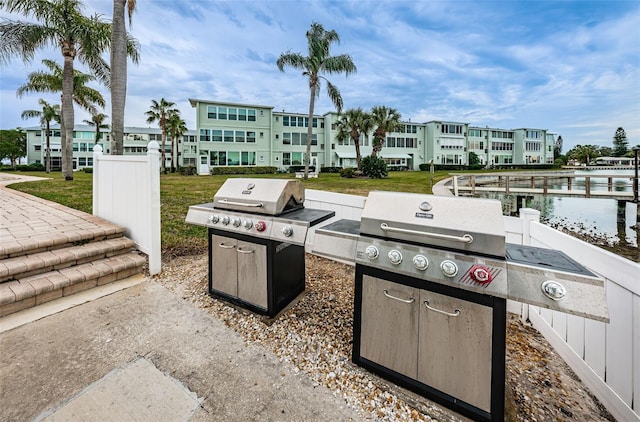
x=126 y=191
x=605 y=356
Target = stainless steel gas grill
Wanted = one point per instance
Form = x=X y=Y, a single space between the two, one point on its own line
x=257 y=230
x=432 y=278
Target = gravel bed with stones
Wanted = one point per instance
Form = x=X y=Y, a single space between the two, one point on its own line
x=314 y=334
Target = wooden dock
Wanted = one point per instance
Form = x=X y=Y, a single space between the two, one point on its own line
x=619 y=187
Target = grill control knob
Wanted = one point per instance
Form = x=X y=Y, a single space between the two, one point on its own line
x=247 y=224
x=225 y=220
x=287 y=231
x=395 y=257
x=553 y=290
x=372 y=252
x=236 y=222
x=261 y=226
x=480 y=274
x=421 y=262
x=214 y=218
x=449 y=268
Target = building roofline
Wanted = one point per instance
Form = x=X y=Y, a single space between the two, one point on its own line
x=194 y=101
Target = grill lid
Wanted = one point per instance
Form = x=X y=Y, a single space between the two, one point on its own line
x=472 y=225
x=260 y=196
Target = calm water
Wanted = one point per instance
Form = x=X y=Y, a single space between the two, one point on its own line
x=594 y=216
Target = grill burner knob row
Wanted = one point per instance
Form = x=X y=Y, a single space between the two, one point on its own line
x=372 y=252
x=449 y=268
x=261 y=226
x=247 y=224
x=395 y=257
x=287 y=231
x=225 y=220
x=421 y=262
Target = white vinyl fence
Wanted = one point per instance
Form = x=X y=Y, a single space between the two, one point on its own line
x=126 y=191
x=606 y=357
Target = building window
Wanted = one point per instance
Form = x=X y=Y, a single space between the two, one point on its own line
x=242 y=114
x=475 y=133
x=251 y=137
x=251 y=115
x=212 y=112
x=222 y=113
x=285 y=120
x=239 y=136
x=37 y=147
x=204 y=135
x=233 y=114
x=216 y=135
x=456 y=129
x=228 y=136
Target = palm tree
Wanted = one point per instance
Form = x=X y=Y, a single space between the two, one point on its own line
x=385 y=120
x=83 y=95
x=47 y=114
x=61 y=23
x=97 y=120
x=352 y=124
x=159 y=112
x=176 y=127
x=119 y=40
x=318 y=61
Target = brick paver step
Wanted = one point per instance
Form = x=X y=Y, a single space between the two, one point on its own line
x=41 y=262
x=33 y=290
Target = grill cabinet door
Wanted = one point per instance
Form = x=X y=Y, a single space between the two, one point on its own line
x=455 y=351
x=224 y=264
x=252 y=273
x=389 y=328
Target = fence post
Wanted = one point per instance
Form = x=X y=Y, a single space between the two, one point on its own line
x=153 y=166
x=455 y=185
x=527 y=215
x=97 y=153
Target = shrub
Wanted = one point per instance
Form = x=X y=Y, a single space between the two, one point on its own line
x=244 y=170
x=330 y=169
x=87 y=170
x=374 y=167
x=347 y=172
x=188 y=171
x=295 y=169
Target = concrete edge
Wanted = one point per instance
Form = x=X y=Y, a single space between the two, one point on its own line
x=11 y=321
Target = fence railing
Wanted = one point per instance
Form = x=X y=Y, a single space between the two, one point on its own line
x=606 y=357
x=126 y=191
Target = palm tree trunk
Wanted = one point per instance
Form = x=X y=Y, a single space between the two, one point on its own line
x=162 y=157
x=307 y=158
x=47 y=152
x=67 y=115
x=118 y=76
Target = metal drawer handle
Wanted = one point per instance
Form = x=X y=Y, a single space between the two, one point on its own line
x=454 y=314
x=386 y=293
x=240 y=250
x=242 y=204
x=223 y=246
x=466 y=238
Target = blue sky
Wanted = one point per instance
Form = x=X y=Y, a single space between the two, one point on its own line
x=572 y=67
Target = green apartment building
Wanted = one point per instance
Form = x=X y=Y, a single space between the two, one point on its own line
x=233 y=134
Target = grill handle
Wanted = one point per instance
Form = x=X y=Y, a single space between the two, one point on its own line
x=246 y=251
x=386 y=293
x=242 y=204
x=466 y=238
x=455 y=313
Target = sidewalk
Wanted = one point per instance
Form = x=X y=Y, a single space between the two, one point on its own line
x=140 y=352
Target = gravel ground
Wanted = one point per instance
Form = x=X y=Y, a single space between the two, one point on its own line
x=315 y=332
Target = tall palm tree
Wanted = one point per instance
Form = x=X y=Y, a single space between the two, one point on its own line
x=83 y=95
x=385 y=120
x=97 y=120
x=61 y=23
x=159 y=112
x=48 y=113
x=119 y=52
x=176 y=127
x=352 y=124
x=318 y=61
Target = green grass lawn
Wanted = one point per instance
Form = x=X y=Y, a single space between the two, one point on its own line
x=178 y=192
